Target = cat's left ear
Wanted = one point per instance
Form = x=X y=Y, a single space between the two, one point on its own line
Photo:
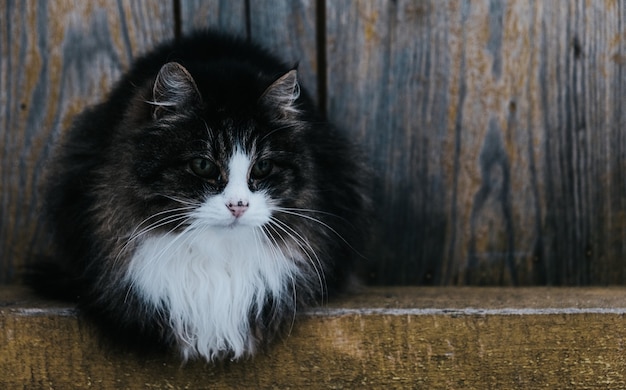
x=281 y=96
x=174 y=88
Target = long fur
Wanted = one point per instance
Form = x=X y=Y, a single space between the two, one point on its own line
x=204 y=202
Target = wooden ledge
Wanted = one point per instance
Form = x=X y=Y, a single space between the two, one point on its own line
x=380 y=338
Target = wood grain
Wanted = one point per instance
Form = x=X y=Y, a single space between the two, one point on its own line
x=495 y=129
x=289 y=29
x=432 y=338
x=55 y=58
x=224 y=15
x=387 y=85
x=286 y=28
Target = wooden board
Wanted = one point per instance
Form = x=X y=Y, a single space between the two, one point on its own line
x=434 y=338
x=496 y=133
x=224 y=15
x=55 y=58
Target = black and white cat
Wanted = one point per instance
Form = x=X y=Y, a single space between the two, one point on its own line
x=205 y=201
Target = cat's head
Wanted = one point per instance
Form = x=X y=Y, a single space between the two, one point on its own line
x=217 y=152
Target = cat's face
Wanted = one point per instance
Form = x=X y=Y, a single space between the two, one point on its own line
x=237 y=204
x=203 y=166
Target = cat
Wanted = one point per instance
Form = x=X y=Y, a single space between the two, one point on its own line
x=204 y=202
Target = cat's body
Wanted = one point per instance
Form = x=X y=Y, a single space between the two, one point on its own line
x=205 y=200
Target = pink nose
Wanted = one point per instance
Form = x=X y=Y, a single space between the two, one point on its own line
x=237 y=209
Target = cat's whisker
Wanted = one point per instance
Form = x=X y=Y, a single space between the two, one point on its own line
x=206 y=126
x=277 y=251
x=294 y=290
x=312 y=211
x=139 y=229
x=310 y=218
x=184 y=221
x=162 y=253
x=179 y=239
x=187 y=202
x=299 y=213
x=276 y=248
x=273 y=248
x=312 y=257
x=285 y=127
x=137 y=233
x=306 y=248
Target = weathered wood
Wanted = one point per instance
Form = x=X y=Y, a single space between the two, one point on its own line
x=483 y=338
x=495 y=129
x=288 y=28
x=387 y=84
x=224 y=15
x=54 y=60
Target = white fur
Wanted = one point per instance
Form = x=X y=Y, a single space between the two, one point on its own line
x=210 y=276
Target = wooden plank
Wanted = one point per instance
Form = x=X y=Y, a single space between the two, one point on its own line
x=224 y=15
x=387 y=84
x=55 y=58
x=495 y=129
x=382 y=338
x=585 y=147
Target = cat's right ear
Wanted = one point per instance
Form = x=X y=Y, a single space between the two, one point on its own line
x=174 y=88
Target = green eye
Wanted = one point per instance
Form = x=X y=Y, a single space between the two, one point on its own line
x=204 y=168
x=261 y=169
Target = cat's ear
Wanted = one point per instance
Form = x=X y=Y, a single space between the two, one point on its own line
x=173 y=89
x=281 y=96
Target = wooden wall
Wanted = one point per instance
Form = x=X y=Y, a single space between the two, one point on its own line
x=55 y=58
x=494 y=127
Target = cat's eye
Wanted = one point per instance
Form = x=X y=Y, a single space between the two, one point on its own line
x=204 y=168
x=261 y=169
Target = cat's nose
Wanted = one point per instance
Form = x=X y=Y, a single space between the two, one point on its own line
x=237 y=208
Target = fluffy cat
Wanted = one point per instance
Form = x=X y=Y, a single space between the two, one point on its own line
x=204 y=202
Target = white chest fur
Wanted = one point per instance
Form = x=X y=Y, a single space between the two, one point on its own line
x=210 y=281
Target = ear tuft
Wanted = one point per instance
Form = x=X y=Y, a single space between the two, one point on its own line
x=282 y=94
x=174 y=87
